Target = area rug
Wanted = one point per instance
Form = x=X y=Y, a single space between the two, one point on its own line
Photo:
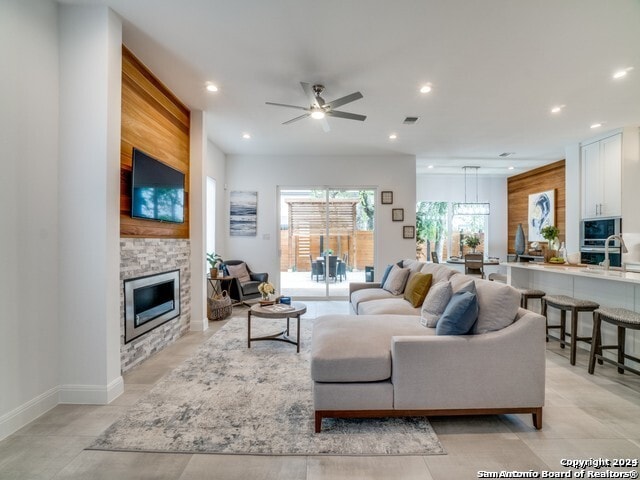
x=230 y=399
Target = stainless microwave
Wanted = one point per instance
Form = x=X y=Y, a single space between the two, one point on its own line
x=594 y=233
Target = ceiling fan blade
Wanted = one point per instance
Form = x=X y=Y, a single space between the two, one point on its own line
x=296 y=119
x=350 y=116
x=308 y=91
x=285 y=105
x=344 y=100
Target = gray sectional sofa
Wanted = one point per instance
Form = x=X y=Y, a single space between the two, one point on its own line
x=381 y=361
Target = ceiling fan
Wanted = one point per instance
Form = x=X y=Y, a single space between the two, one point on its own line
x=319 y=109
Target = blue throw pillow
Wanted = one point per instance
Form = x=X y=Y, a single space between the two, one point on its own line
x=385 y=274
x=460 y=315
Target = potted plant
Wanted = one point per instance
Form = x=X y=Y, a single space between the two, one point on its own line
x=472 y=241
x=214 y=259
x=550 y=234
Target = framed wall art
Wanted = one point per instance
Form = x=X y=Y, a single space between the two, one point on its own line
x=408 y=231
x=386 y=197
x=397 y=214
x=542 y=207
x=243 y=214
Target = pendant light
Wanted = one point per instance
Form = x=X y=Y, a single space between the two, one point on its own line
x=470 y=208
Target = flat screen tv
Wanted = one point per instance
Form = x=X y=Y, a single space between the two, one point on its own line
x=157 y=190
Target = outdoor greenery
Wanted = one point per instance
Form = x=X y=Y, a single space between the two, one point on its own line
x=431 y=225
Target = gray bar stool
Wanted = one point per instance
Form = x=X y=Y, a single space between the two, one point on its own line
x=623 y=319
x=565 y=303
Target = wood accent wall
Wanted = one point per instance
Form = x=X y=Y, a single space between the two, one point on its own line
x=519 y=187
x=156 y=122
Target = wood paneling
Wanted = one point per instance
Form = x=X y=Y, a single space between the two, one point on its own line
x=156 y=122
x=519 y=187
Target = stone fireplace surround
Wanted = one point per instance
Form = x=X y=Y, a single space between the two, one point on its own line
x=147 y=256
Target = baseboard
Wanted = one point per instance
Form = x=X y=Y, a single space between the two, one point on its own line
x=199 y=325
x=91 y=394
x=14 y=420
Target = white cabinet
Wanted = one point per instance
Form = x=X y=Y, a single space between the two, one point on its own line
x=602 y=177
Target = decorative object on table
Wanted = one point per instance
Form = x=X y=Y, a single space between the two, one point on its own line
x=386 y=197
x=285 y=300
x=408 y=231
x=472 y=241
x=219 y=306
x=550 y=234
x=541 y=213
x=214 y=260
x=573 y=258
x=243 y=214
x=397 y=214
x=266 y=289
x=520 y=240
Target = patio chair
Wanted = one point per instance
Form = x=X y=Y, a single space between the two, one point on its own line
x=317 y=268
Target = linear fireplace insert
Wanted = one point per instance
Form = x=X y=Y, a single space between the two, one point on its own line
x=149 y=302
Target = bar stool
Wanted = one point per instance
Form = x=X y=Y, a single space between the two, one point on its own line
x=623 y=319
x=565 y=303
x=497 y=277
x=529 y=293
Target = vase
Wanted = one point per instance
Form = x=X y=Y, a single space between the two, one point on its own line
x=520 y=241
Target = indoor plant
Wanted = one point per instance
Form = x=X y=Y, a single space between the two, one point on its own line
x=550 y=234
x=472 y=241
x=214 y=259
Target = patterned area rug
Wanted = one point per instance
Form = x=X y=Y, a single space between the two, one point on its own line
x=233 y=400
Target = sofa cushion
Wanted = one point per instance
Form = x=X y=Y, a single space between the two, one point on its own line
x=385 y=275
x=417 y=287
x=388 y=306
x=435 y=303
x=440 y=272
x=240 y=272
x=498 y=305
x=339 y=355
x=367 y=294
x=396 y=280
x=460 y=315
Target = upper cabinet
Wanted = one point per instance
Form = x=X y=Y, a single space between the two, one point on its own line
x=602 y=177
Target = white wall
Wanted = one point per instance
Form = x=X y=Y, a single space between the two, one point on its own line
x=573 y=186
x=265 y=174
x=90 y=98
x=450 y=188
x=29 y=211
x=215 y=168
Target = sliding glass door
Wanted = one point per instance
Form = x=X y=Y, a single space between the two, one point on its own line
x=326 y=240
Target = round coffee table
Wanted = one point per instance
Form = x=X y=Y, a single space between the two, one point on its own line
x=279 y=310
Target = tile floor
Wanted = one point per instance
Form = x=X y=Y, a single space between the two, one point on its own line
x=585 y=416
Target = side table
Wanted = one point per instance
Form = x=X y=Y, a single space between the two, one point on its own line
x=279 y=310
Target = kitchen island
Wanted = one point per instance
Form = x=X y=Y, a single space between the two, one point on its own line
x=610 y=288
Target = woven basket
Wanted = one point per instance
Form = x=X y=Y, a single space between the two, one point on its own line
x=219 y=306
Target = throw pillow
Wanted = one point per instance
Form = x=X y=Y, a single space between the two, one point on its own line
x=460 y=315
x=435 y=303
x=417 y=288
x=240 y=272
x=385 y=274
x=396 y=280
x=498 y=306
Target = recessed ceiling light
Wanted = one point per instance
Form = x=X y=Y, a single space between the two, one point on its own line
x=246 y=136
x=557 y=108
x=511 y=167
x=211 y=87
x=425 y=88
x=622 y=73
x=393 y=136
x=430 y=166
x=596 y=125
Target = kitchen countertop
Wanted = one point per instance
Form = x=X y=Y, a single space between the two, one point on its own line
x=574 y=270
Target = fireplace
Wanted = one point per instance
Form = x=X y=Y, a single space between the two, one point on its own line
x=149 y=302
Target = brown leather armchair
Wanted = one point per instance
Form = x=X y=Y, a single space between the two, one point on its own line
x=242 y=288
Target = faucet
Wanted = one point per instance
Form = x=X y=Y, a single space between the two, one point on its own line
x=623 y=247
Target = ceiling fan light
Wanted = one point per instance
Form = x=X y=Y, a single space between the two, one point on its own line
x=317 y=114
